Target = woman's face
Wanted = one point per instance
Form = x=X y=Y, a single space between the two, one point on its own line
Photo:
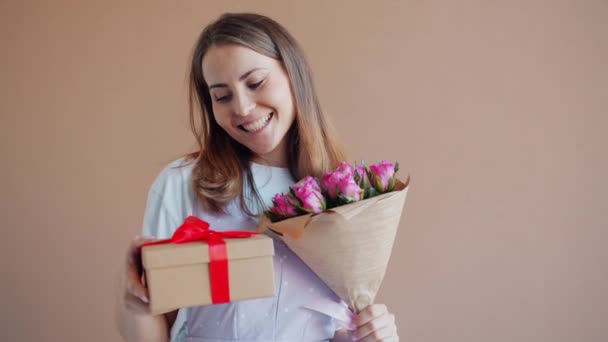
x=252 y=99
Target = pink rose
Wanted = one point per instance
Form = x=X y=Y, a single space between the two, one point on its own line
x=340 y=185
x=330 y=180
x=361 y=176
x=329 y=183
x=382 y=176
x=284 y=206
x=308 y=192
x=349 y=190
x=345 y=169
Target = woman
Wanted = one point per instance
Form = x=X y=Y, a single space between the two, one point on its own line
x=259 y=128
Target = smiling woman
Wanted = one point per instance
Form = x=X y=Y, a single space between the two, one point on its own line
x=259 y=126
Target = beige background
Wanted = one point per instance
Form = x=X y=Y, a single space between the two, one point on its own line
x=497 y=108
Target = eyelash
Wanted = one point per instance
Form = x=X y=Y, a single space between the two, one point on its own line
x=253 y=86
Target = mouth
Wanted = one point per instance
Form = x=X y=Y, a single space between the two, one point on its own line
x=257 y=125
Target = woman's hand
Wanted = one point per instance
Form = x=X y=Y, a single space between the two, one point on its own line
x=134 y=291
x=375 y=323
x=133 y=317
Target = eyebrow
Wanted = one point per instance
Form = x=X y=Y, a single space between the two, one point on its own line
x=224 y=85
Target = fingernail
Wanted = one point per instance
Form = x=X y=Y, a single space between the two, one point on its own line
x=144 y=299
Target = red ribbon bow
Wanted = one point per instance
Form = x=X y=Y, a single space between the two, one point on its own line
x=195 y=229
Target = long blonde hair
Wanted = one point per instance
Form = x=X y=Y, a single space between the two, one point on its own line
x=221 y=163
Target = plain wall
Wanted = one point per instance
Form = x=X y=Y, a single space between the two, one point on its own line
x=496 y=108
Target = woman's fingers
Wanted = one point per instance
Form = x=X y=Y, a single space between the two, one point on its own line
x=385 y=334
x=135 y=286
x=136 y=294
x=375 y=323
x=134 y=304
x=377 y=328
x=369 y=313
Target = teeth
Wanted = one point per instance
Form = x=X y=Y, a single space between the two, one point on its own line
x=257 y=125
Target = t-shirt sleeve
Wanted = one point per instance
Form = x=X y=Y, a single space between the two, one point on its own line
x=170 y=201
x=159 y=219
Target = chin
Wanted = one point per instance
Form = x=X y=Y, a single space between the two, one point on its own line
x=262 y=150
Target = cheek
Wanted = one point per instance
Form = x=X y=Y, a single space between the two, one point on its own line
x=279 y=93
x=222 y=119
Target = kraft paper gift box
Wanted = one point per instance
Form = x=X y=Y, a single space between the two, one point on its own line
x=178 y=274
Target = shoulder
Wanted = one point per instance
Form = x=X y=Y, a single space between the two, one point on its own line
x=176 y=176
x=170 y=199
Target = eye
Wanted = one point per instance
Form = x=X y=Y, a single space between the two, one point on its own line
x=224 y=98
x=255 y=85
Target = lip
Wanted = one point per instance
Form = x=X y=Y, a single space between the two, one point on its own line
x=253 y=120
x=261 y=129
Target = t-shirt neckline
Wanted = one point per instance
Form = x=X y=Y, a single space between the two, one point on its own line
x=268 y=166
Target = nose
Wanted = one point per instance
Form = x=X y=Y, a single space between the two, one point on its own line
x=243 y=105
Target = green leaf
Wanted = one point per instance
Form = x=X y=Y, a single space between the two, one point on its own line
x=373 y=192
x=391 y=184
x=318 y=181
x=295 y=198
x=322 y=200
x=344 y=199
x=273 y=217
x=378 y=184
x=368 y=172
x=301 y=210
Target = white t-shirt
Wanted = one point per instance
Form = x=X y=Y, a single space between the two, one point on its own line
x=171 y=200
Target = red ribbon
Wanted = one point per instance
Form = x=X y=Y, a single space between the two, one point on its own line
x=195 y=229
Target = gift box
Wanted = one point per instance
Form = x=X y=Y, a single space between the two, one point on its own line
x=180 y=275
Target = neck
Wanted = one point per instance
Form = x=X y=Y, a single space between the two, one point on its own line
x=276 y=158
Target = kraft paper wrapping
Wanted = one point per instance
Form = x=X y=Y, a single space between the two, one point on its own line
x=348 y=247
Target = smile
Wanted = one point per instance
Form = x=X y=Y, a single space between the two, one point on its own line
x=257 y=125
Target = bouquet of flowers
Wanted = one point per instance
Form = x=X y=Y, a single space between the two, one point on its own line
x=343 y=226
